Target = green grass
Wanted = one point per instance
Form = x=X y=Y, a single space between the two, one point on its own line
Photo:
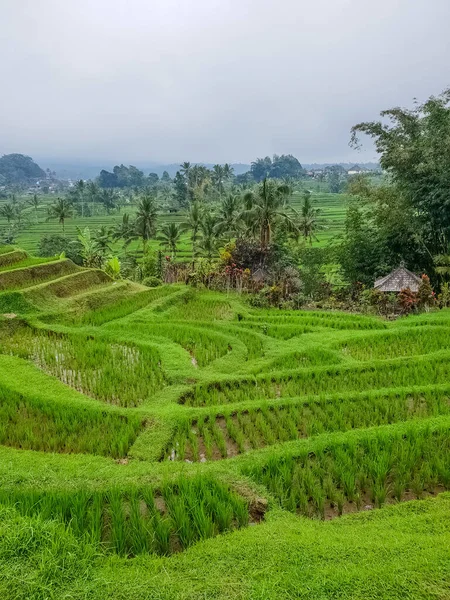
x=141 y=428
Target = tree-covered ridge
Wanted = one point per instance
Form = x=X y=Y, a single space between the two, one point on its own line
x=18 y=168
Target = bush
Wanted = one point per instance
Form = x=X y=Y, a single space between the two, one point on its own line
x=152 y=281
x=55 y=245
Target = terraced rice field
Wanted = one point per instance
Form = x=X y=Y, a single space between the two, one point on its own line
x=147 y=426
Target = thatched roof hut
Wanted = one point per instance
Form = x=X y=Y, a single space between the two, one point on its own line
x=398 y=280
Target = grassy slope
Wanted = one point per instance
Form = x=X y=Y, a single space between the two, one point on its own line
x=400 y=552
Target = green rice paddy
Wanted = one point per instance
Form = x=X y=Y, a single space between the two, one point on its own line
x=177 y=443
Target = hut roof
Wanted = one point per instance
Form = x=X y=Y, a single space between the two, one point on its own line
x=398 y=280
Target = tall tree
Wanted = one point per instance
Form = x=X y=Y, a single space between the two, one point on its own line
x=228 y=218
x=169 y=237
x=414 y=149
x=34 y=202
x=146 y=219
x=308 y=223
x=7 y=212
x=209 y=242
x=193 y=222
x=61 y=210
x=265 y=207
x=124 y=230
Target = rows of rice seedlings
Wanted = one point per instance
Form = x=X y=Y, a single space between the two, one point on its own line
x=31 y=423
x=202 y=307
x=324 y=481
x=15 y=279
x=122 y=374
x=7 y=259
x=280 y=332
x=140 y=520
x=98 y=315
x=316 y=319
x=326 y=380
x=216 y=438
x=203 y=345
x=403 y=342
x=306 y=358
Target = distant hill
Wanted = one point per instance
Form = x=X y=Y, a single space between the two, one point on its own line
x=18 y=168
x=371 y=166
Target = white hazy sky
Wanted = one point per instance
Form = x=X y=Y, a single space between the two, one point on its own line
x=210 y=80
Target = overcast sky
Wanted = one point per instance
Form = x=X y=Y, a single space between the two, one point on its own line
x=211 y=80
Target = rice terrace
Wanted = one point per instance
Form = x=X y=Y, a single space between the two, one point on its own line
x=228 y=377
x=138 y=423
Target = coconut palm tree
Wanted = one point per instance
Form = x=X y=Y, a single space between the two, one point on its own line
x=34 y=202
x=124 y=230
x=79 y=191
x=192 y=223
x=218 y=177
x=265 y=207
x=61 y=210
x=209 y=243
x=146 y=219
x=229 y=215
x=169 y=237
x=7 y=211
x=308 y=222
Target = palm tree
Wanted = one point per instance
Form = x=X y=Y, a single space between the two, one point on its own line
x=146 y=218
x=102 y=241
x=61 y=210
x=229 y=215
x=170 y=236
x=124 y=230
x=92 y=191
x=7 y=211
x=209 y=243
x=80 y=194
x=265 y=207
x=228 y=171
x=185 y=169
x=107 y=197
x=217 y=177
x=194 y=219
x=34 y=202
x=308 y=223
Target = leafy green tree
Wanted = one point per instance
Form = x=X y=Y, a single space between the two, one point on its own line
x=266 y=207
x=146 y=219
x=169 y=237
x=414 y=149
x=61 y=210
x=55 y=245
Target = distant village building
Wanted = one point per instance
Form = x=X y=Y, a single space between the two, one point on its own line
x=398 y=280
x=357 y=170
